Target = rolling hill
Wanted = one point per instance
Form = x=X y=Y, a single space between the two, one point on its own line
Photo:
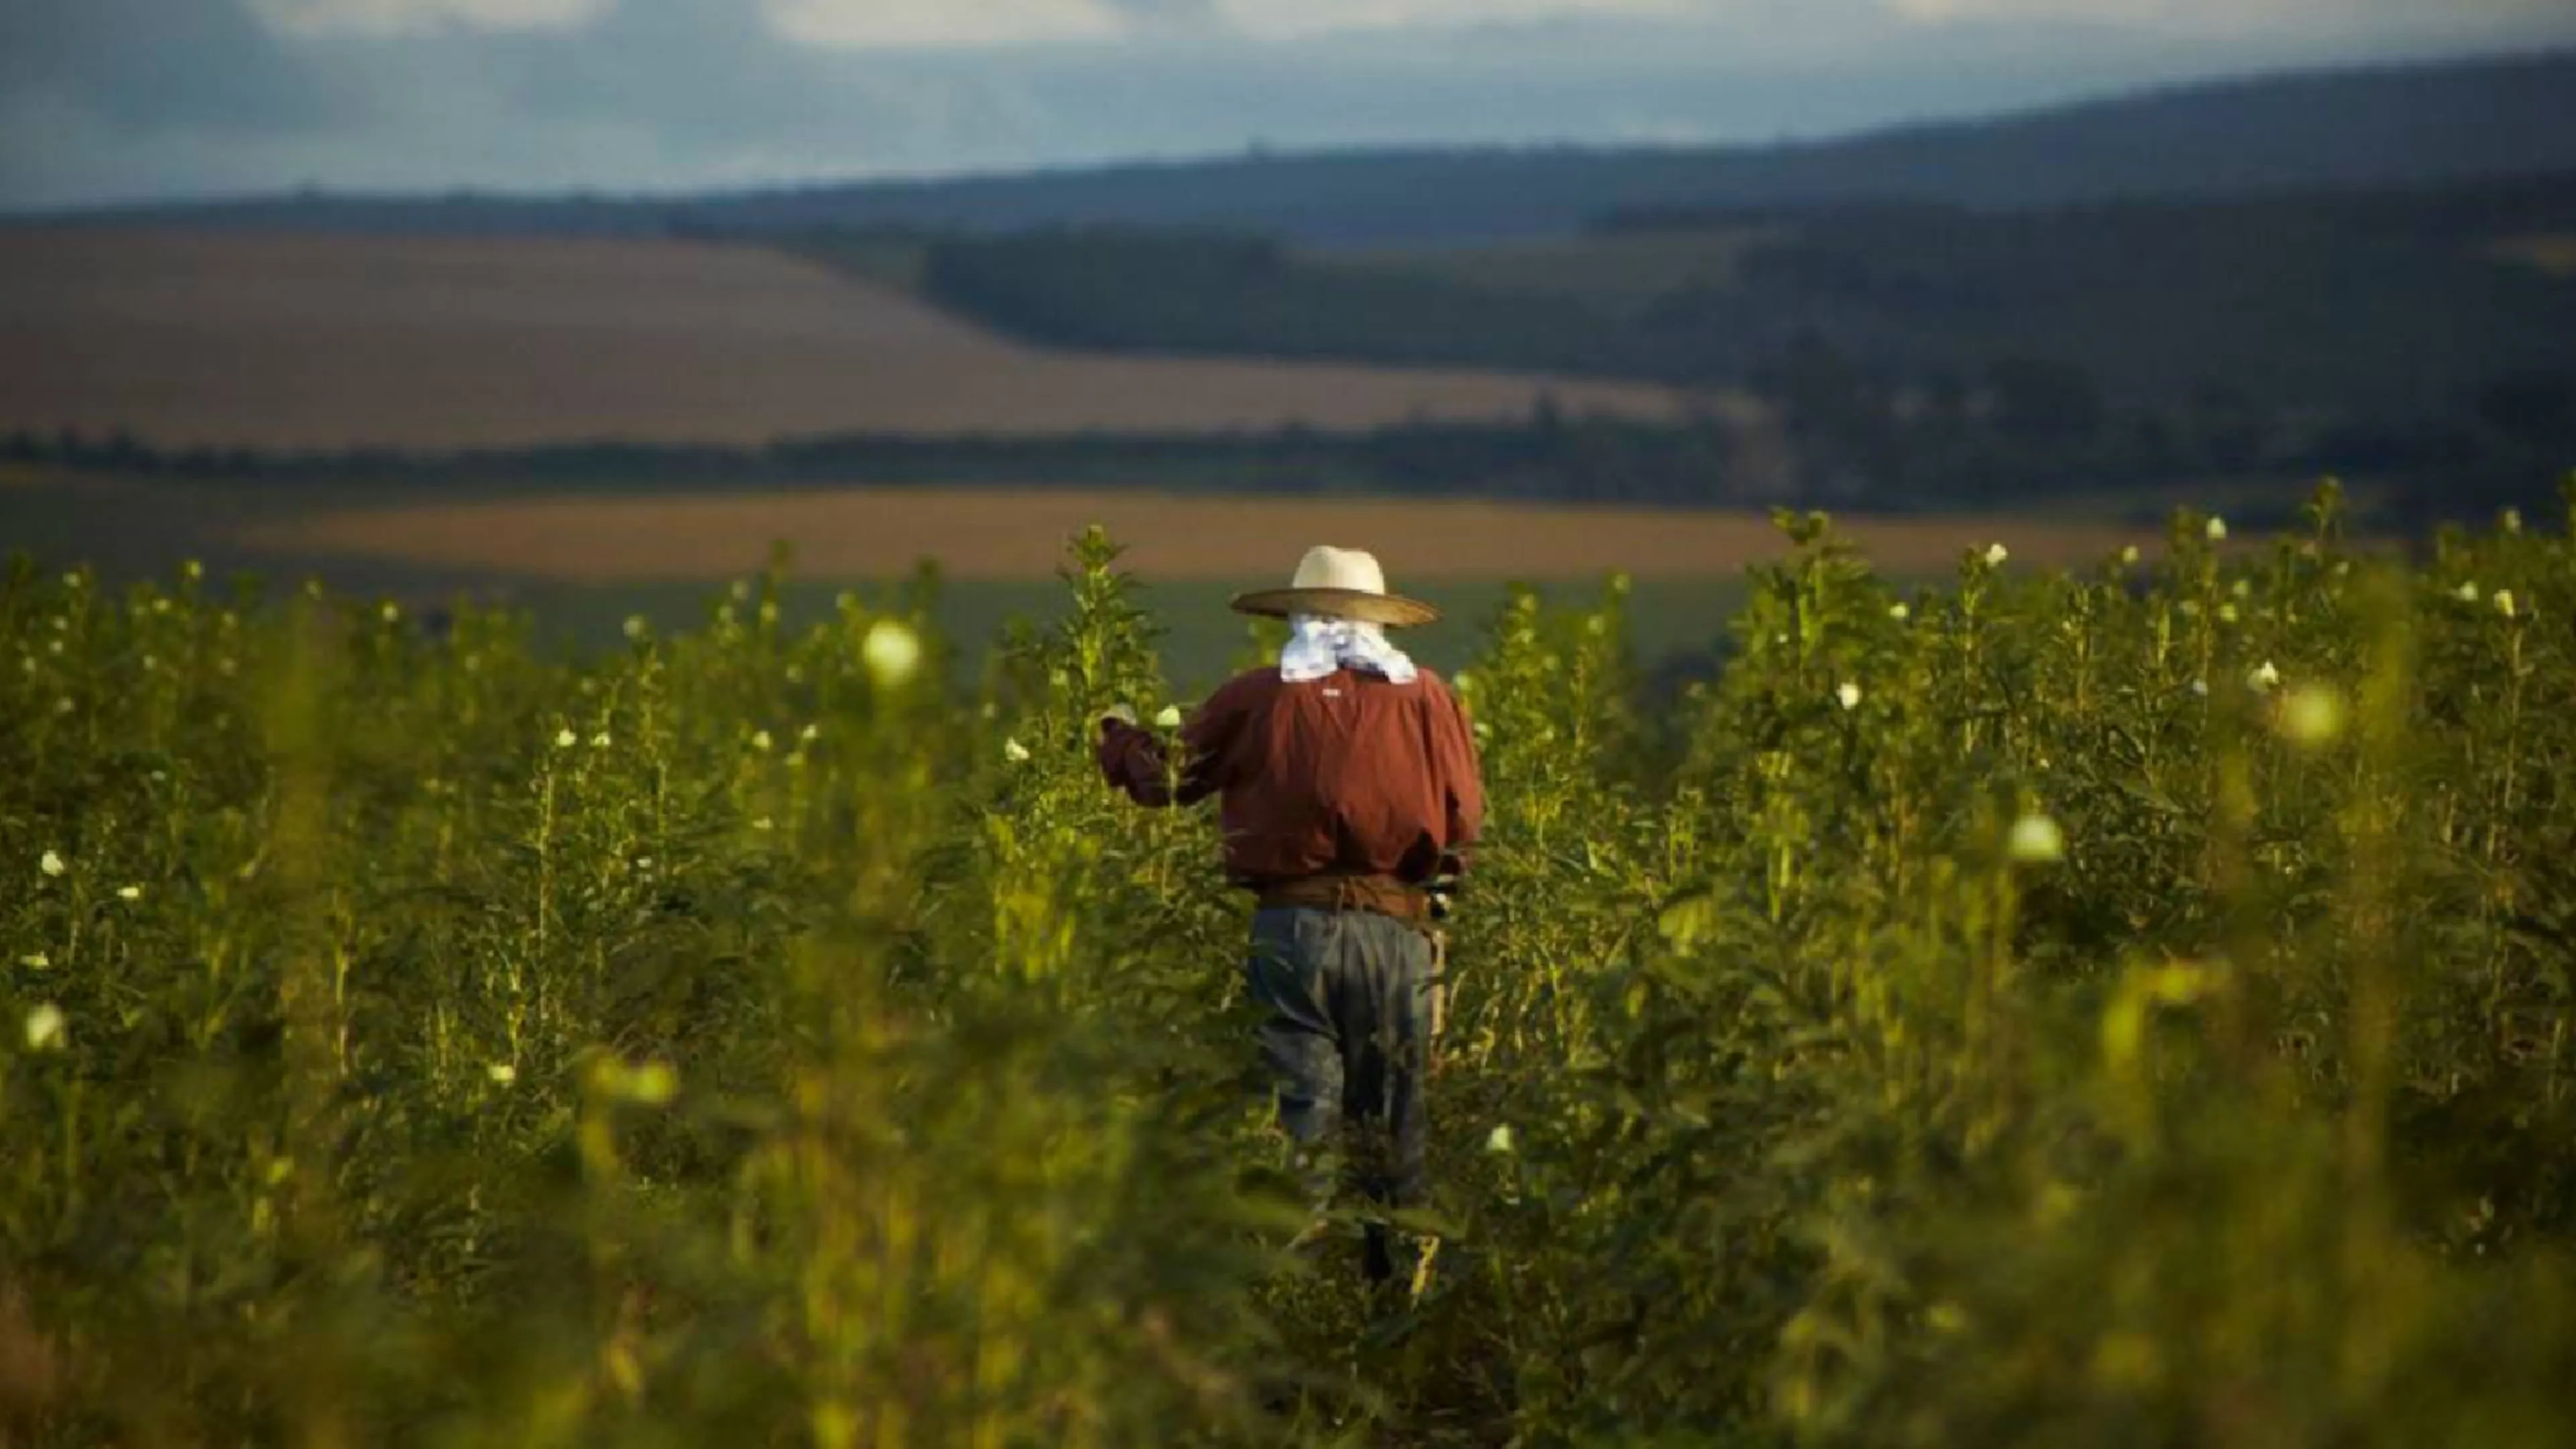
x=292 y=343
x=2386 y=126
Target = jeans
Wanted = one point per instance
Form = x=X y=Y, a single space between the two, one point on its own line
x=1346 y=1039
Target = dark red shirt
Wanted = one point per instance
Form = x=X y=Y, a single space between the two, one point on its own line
x=1350 y=774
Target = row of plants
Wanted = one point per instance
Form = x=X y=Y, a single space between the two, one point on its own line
x=2128 y=1006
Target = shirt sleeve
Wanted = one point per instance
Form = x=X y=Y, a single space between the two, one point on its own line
x=1133 y=758
x=1453 y=743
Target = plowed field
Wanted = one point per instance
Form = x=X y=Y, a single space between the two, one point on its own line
x=332 y=342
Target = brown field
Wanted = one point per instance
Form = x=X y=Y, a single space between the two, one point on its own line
x=330 y=342
x=1020 y=534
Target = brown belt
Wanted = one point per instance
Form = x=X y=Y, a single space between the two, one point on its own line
x=1383 y=895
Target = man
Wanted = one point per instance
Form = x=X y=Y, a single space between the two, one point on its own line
x=1349 y=784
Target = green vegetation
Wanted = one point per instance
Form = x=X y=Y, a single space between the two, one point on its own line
x=2375 y=304
x=1676 y=627
x=1621 y=275
x=1547 y=456
x=1927 y=355
x=2128 y=1008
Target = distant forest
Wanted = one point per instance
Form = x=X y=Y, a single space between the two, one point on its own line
x=1919 y=356
x=1936 y=463
x=2356 y=302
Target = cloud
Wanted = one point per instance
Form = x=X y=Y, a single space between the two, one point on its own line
x=410 y=17
x=2219 y=16
x=946 y=24
x=655 y=95
x=1272 y=20
x=205 y=64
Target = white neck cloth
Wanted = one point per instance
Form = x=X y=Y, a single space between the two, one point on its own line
x=1317 y=646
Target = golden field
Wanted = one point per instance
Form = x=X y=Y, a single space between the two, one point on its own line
x=1020 y=534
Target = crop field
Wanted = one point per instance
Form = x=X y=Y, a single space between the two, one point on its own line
x=2117 y=1005
x=1003 y=533
x=584 y=562
x=285 y=342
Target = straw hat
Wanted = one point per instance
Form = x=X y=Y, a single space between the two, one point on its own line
x=1339 y=583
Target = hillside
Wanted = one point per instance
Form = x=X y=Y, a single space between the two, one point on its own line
x=2366 y=127
x=298 y=342
x=2378 y=302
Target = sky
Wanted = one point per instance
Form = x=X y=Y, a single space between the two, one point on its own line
x=122 y=100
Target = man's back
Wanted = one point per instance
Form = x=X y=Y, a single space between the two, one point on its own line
x=1348 y=775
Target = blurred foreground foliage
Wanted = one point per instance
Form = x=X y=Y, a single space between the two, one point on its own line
x=2125 y=1008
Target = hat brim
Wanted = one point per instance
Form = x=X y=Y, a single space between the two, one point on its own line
x=1393 y=611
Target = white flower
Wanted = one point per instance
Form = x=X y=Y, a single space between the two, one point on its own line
x=600 y=741
x=37 y=962
x=1849 y=694
x=1996 y=553
x=635 y=626
x=2469 y=592
x=2036 y=840
x=1500 y=1139
x=2227 y=613
x=52 y=864
x=891 y=651
x=2512 y=520
x=1015 y=752
x=129 y=893
x=2242 y=588
x=392 y=612
x=741 y=590
x=45 y=1028
x=2129 y=554
x=1170 y=718
x=2264 y=676
x=2216 y=528
x=2200 y=687
x=809 y=734
x=644 y=863
x=2311 y=715
x=502 y=1072
x=760 y=739
x=764 y=823
x=1899 y=612
x=1461 y=683
x=565 y=739
x=2504 y=602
